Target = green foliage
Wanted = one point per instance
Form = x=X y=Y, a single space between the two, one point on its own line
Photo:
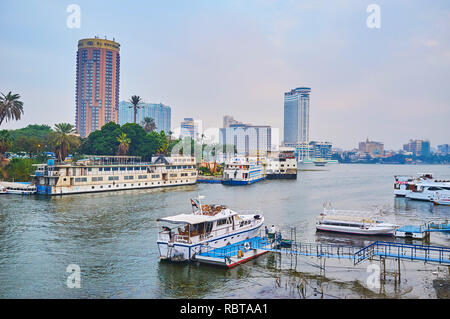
x=20 y=169
x=104 y=141
x=5 y=141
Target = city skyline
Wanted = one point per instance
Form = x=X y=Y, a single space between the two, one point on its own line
x=365 y=81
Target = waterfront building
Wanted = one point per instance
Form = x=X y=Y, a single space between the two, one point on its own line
x=296 y=116
x=444 y=149
x=418 y=147
x=247 y=139
x=97 y=84
x=159 y=112
x=375 y=149
x=228 y=120
x=110 y=173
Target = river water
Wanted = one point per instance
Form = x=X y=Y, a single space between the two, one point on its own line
x=112 y=237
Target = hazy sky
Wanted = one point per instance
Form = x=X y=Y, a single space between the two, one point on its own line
x=210 y=58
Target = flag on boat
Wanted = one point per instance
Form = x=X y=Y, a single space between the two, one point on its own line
x=195 y=203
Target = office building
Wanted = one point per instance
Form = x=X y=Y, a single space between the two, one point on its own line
x=247 y=139
x=296 y=116
x=418 y=147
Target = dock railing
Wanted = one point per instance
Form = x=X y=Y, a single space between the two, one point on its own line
x=404 y=251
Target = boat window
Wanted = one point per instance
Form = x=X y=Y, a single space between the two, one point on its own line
x=123 y=168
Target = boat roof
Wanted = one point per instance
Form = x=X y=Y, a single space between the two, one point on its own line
x=198 y=217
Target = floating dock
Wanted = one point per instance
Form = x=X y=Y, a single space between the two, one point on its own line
x=232 y=255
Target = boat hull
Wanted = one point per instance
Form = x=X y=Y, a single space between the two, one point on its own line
x=281 y=176
x=356 y=231
x=241 y=182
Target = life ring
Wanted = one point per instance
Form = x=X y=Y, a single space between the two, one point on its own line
x=247 y=246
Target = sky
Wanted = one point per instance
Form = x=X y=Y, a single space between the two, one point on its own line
x=207 y=59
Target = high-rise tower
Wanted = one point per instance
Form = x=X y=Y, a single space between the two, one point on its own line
x=97 y=84
x=296 y=116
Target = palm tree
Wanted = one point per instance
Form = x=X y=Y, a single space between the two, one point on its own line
x=63 y=139
x=10 y=107
x=135 y=100
x=124 y=144
x=5 y=142
x=149 y=124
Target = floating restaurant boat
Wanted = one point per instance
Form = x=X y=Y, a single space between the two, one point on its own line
x=17 y=188
x=352 y=222
x=111 y=173
x=207 y=227
x=404 y=184
x=242 y=171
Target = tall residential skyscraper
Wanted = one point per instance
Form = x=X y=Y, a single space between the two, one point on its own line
x=97 y=84
x=296 y=116
x=160 y=113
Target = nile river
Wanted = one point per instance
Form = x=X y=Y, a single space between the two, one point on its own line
x=112 y=237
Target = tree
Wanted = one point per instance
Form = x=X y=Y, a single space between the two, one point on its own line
x=5 y=142
x=63 y=140
x=11 y=108
x=124 y=143
x=135 y=101
x=31 y=145
x=149 y=124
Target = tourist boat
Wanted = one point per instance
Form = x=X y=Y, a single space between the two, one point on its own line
x=404 y=184
x=242 y=171
x=311 y=164
x=428 y=190
x=111 y=173
x=207 y=227
x=352 y=222
x=282 y=167
x=17 y=188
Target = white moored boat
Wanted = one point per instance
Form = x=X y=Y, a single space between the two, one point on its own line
x=207 y=227
x=428 y=190
x=404 y=184
x=17 y=188
x=352 y=222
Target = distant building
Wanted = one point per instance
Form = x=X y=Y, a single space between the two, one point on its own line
x=160 y=113
x=418 y=147
x=190 y=128
x=444 y=149
x=228 y=120
x=97 y=84
x=248 y=140
x=375 y=149
x=321 y=150
x=296 y=116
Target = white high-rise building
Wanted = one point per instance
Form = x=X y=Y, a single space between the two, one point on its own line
x=296 y=116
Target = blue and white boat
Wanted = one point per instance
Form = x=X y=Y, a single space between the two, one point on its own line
x=242 y=171
x=184 y=236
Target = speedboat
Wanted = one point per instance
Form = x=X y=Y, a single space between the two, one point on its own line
x=404 y=184
x=428 y=190
x=208 y=227
x=352 y=222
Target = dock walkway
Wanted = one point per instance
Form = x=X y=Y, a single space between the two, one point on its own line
x=234 y=254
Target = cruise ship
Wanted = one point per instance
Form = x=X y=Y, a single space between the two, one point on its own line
x=112 y=173
x=242 y=171
x=184 y=236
